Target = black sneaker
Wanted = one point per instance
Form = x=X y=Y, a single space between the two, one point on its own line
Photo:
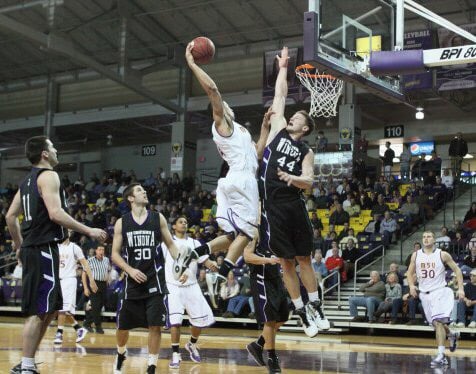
x=273 y=365
x=99 y=330
x=16 y=369
x=120 y=358
x=151 y=369
x=256 y=351
x=307 y=320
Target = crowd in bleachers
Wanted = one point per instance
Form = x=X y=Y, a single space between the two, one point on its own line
x=350 y=217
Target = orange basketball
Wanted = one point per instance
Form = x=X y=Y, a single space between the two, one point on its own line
x=203 y=50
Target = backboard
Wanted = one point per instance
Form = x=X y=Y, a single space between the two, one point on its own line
x=338 y=36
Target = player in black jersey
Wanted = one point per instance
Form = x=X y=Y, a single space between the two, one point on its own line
x=287 y=168
x=270 y=300
x=139 y=234
x=42 y=201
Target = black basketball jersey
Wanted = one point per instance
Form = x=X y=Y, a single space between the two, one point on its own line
x=142 y=251
x=286 y=154
x=36 y=227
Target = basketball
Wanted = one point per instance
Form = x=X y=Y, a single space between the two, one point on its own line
x=203 y=50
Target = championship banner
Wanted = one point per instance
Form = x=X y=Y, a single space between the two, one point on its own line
x=455 y=77
x=418 y=40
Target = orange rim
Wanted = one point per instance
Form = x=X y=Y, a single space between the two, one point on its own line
x=302 y=70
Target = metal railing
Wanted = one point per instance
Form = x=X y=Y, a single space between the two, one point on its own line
x=382 y=258
x=337 y=285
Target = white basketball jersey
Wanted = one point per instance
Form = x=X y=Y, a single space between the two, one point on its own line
x=169 y=260
x=430 y=270
x=69 y=255
x=238 y=149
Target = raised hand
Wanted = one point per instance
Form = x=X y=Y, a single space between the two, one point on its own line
x=284 y=58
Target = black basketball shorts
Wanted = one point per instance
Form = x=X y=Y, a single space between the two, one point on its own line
x=40 y=280
x=288 y=228
x=150 y=311
x=270 y=299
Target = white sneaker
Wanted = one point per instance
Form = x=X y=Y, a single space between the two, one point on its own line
x=81 y=334
x=307 y=320
x=58 y=338
x=460 y=324
x=439 y=361
x=472 y=325
x=175 y=361
x=315 y=308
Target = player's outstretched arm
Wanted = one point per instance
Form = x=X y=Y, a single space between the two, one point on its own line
x=135 y=274
x=211 y=89
x=252 y=258
x=264 y=133
x=12 y=220
x=278 y=121
x=448 y=260
x=167 y=238
x=49 y=187
x=306 y=179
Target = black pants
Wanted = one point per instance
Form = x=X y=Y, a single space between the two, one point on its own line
x=98 y=300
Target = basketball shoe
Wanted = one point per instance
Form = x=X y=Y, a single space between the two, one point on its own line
x=194 y=353
x=175 y=361
x=315 y=309
x=256 y=351
x=453 y=338
x=81 y=334
x=439 y=361
x=58 y=338
x=307 y=318
x=185 y=255
x=120 y=358
x=273 y=365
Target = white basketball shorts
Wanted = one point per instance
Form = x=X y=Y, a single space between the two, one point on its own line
x=68 y=288
x=238 y=203
x=437 y=304
x=190 y=299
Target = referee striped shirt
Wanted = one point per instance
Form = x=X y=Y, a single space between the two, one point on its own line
x=99 y=268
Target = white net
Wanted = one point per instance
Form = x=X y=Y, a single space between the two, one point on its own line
x=325 y=90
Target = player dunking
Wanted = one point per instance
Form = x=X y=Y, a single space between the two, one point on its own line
x=436 y=299
x=42 y=201
x=70 y=253
x=186 y=295
x=237 y=193
x=139 y=233
x=270 y=300
x=287 y=168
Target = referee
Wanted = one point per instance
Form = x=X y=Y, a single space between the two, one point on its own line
x=100 y=268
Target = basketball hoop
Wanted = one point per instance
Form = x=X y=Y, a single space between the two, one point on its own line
x=325 y=90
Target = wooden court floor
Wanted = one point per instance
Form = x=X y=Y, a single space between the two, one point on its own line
x=223 y=351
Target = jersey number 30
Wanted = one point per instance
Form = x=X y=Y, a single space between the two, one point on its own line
x=282 y=161
x=427 y=273
x=142 y=254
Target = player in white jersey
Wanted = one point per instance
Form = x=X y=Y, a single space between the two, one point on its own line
x=237 y=193
x=69 y=254
x=437 y=300
x=186 y=295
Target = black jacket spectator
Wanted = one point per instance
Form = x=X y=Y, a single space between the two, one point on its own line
x=471 y=213
x=339 y=216
x=458 y=147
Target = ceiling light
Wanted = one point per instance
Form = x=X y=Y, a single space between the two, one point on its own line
x=419 y=114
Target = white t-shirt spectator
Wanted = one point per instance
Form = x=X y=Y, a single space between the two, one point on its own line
x=447 y=180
